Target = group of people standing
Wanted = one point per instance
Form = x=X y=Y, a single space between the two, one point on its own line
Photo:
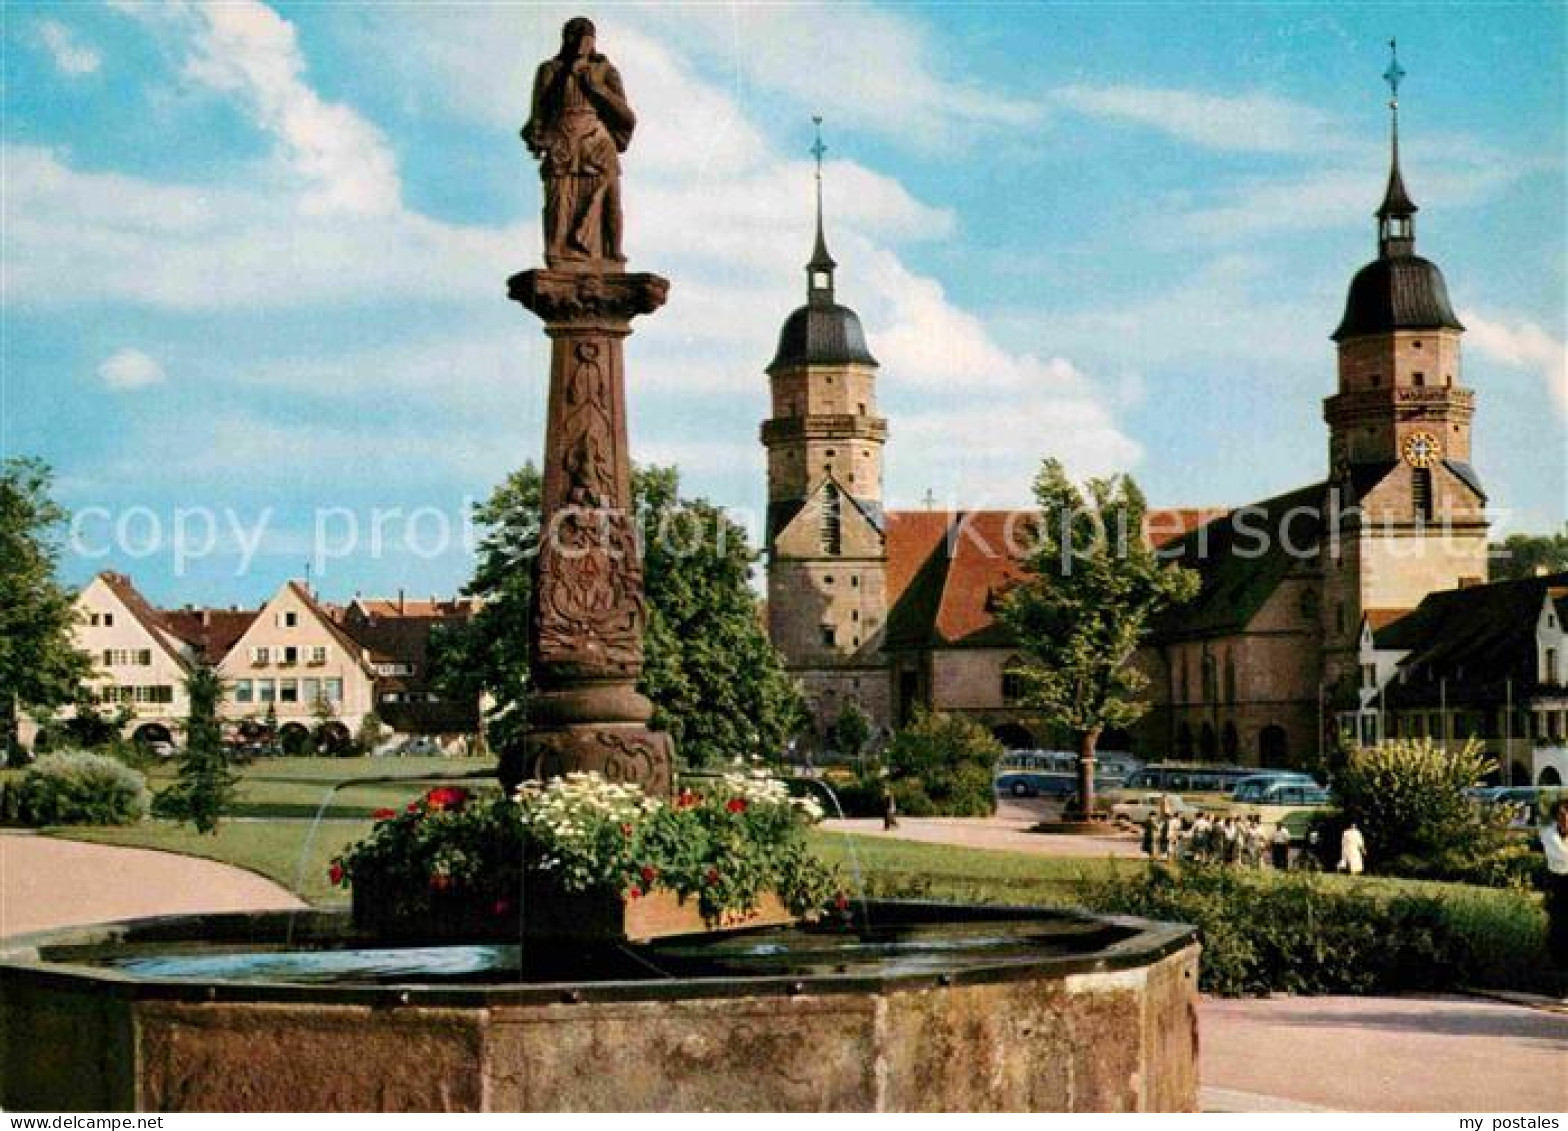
x=1220 y=840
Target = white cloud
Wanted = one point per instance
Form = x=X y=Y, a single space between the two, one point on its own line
x=1522 y=345
x=69 y=55
x=1249 y=123
x=245 y=49
x=130 y=369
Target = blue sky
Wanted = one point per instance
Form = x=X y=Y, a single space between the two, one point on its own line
x=255 y=255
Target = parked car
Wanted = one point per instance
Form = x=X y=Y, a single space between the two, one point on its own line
x=1029 y=784
x=1136 y=810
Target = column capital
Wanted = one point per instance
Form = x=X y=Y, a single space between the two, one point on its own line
x=588 y=299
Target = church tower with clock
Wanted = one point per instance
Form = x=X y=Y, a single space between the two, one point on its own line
x=1406 y=513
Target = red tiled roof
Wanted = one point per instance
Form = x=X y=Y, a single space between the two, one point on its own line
x=150 y=619
x=211 y=632
x=946 y=570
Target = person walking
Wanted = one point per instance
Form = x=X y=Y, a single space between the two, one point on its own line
x=1170 y=835
x=1279 y=848
x=1151 y=824
x=889 y=810
x=1554 y=839
x=1352 y=850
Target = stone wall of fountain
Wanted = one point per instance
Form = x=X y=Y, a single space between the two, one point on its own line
x=1110 y=1028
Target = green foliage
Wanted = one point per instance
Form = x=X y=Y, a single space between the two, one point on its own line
x=851 y=730
x=1309 y=934
x=75 y=787
x=369 y=734
x=40 y=667
x=1090 y=590
x=741 y=838
x=1407 y=796
x=717 y=684
x=206 y=787
x=88 y=727
x=943 y=765
x=1524 y=555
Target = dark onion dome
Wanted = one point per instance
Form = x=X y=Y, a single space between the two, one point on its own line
x=821 y=333
x=1402 y=292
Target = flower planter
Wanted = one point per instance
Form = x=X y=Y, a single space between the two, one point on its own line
x=546 y=912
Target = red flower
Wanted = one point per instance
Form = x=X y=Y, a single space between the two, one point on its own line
x=736 y=805
x=440 y=881
x=649 y=874
x=413 y=807
x=686 y=799
x=634 y=893
x=841 y=901
x=712 y=876
x=335 y=874
x=626 y=830
x=446 y=797
x=384 y=814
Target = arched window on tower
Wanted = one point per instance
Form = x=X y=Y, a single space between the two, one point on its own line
x=832 y=521
x=1421 y=492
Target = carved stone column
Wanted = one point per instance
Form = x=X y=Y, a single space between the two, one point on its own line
x=588 y=606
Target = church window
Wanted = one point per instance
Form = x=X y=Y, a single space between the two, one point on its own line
x=854 y=614
x=1416 y=344
x=1448 y=380
x=857 y=642
x=1419 y=379
x=1551 y=665
x=832 y=532
x=1230 y=679
x=854 y=582
x=819 y=280
x=831 y=452
x=1339 y=618
x=829 y=636
x=1421 y=492
x=861 y=408
x=827 y=579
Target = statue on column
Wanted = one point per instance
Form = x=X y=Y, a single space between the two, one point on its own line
x=579 y=124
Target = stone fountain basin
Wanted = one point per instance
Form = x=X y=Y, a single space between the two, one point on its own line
x=935 y=1007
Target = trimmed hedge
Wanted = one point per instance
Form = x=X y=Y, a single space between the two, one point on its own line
x=74 y=787
x=1307 y=934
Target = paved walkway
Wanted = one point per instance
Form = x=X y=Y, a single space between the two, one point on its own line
x=1437 y=1053
x=1007 y=831
x=46 y=882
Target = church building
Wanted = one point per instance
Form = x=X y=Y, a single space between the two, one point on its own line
x=895 y=610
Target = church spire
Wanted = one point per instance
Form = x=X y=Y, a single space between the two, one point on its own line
x=1396 y=231
x=819 y=271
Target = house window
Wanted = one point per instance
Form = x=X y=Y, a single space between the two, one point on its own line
x=1012 y=686
x=1551 y=665
x=288 y=691
x=311 y=688
x=318 y=654
x=260 y=656
x=290 y=655
x=286 y=620
x=1419 y=379
x=829 y=636
x=266 y=692
x=244 y=691
x=332 y=690
x=108 y=620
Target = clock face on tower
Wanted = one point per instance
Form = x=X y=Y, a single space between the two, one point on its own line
x=1421 y=449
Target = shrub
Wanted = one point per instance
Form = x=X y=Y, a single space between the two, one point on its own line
x=206 y=786
x=75 y=787
x=1407 y=796
x=944 y=765
x=1310 y=934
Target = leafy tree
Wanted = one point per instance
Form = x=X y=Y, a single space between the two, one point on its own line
x=851 y=730
x=1525 y=555
x=1091 y=587
x=716 y=682
x=40 y=667
x=206 y=786
x=943 y=765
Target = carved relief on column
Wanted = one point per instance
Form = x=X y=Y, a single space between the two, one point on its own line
x=589 y=610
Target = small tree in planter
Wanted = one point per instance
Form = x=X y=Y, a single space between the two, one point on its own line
x=851 y=731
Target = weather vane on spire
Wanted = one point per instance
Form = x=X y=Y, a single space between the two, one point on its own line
x=817 y=148
x=1395 y=73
